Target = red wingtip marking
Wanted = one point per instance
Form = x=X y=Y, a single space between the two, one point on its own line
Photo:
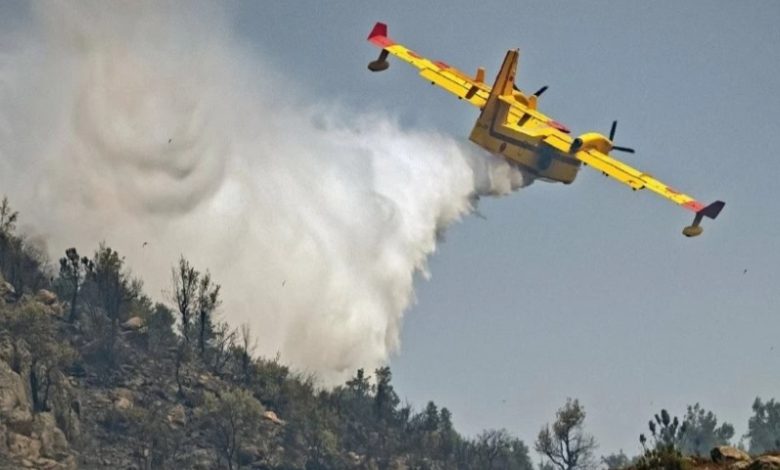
x=695 y=206
x=559 y=126
x=380 y=29
x=378 y=36
x=441 y=65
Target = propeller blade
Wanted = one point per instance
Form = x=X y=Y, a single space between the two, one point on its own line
x=623 y=149
x=612 y=131
x=540 y=91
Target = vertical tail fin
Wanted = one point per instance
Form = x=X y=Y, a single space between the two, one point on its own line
x=503 y=85
x=505 y=80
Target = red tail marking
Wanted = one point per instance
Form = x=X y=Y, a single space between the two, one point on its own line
x=378 y=36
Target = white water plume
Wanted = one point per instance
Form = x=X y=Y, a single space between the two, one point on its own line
x=147 y=124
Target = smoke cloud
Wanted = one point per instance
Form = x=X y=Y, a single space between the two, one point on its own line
x=147 y=122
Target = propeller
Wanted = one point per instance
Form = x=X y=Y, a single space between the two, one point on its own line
x=537 y=93
x=612 y=137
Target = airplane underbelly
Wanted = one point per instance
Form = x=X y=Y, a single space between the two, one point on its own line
x=539 y=159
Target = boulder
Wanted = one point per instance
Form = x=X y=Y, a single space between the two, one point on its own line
x=23 y=447
x=3 y=439
x=20 y=421
x=69 y=463
x=271 y=416
x=46 y=464
x=766 y=462
x=122 y=398
x=728 y=454
x=53 y=441
x=46 y=297
x=177 y=416
x=7 y=291
x=14 y=403
x=133 y=324
x=121 y=392
x=122 y=403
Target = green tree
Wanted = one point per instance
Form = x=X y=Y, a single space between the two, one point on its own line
x=764 y=427
x=385 y=399
x=565 y=442
x=664 y=451
x=207 y=302
x=111 y=293
x=160 y=332
x=73 y=274
x=244 y=352
x=702 y=432
x=21 y=263
x=8 y=218
x=231 y=421
x=359 y=384
x=185 y=290
x=616 y=461
x=196 y=297
x=497 y=449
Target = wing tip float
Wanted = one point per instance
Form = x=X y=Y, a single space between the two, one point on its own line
x=476 y=92
x=711 y=211
x=378 y=37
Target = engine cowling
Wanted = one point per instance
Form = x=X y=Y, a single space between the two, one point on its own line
x=591 y=141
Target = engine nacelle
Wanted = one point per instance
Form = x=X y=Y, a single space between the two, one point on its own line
x=591 y=141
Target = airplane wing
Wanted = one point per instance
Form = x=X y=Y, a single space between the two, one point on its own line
x=473 y=90
x=636 y=179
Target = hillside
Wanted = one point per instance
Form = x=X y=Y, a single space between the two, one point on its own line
x=93 y=374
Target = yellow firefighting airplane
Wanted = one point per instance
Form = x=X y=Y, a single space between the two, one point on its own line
x=510 y=125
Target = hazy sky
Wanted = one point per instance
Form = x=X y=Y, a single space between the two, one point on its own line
x=588 y=290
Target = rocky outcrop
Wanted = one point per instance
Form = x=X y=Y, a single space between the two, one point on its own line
x=177 y=417
x=7 y=291
x=765 y=462
x=271 y=416
x=46 y=297
x=133 y=324
x=54 y=444
x=728 y=454
x=15 y=407
x=32 y=440
x=21 y=447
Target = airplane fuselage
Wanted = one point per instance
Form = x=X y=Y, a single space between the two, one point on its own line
x=520 y=140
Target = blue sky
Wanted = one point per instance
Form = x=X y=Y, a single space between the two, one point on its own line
x=588 y=290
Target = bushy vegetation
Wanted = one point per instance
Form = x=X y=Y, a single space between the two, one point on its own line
x=702 y=432
x=136 y=383
x=564 y=442
x=662 y=451
x=764 y=427
x=179 y=380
